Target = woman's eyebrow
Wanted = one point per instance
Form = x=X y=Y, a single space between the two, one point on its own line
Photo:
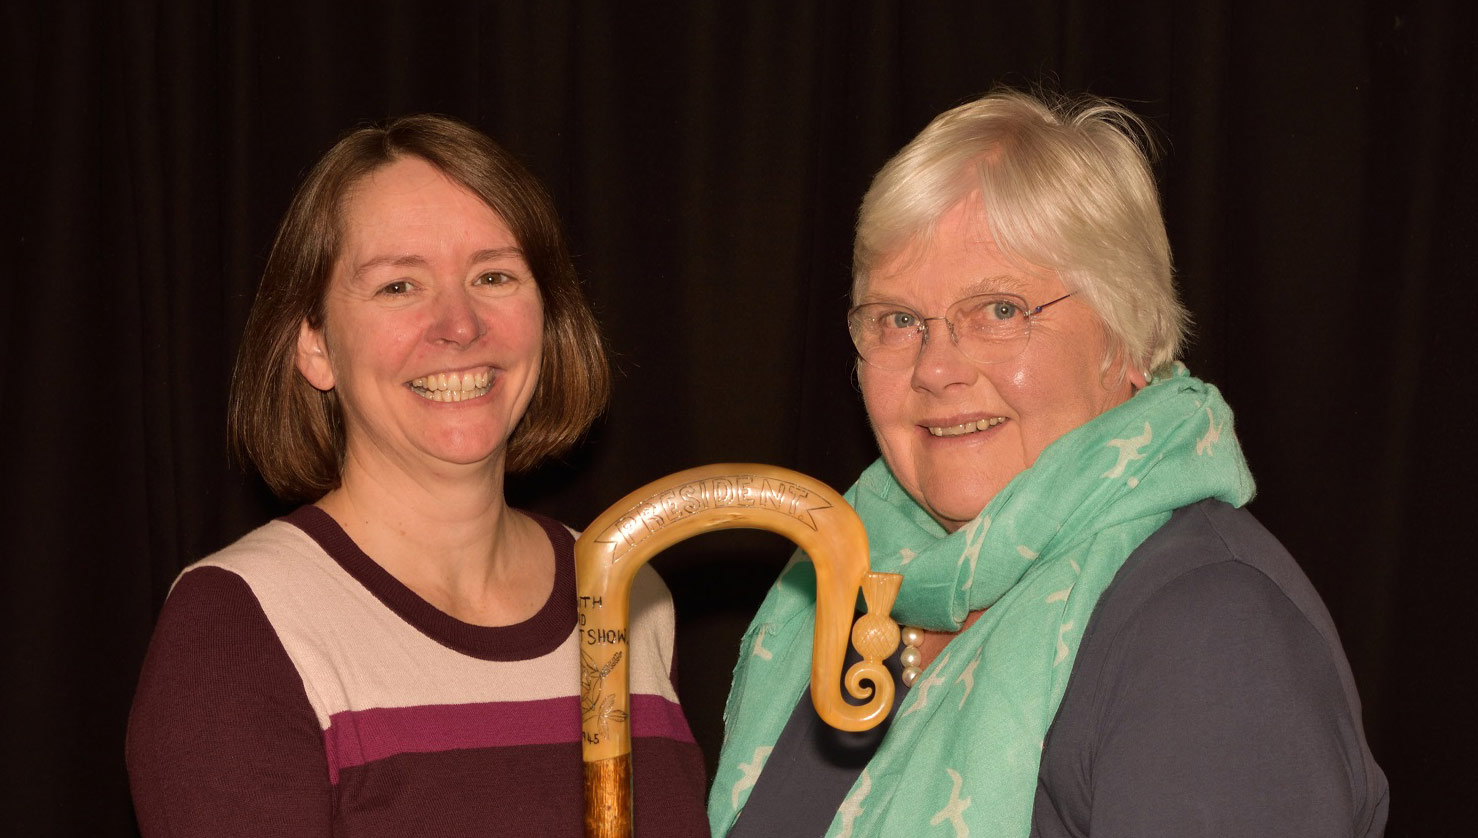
x=869 y=299
x=408 y=260
x=411 y=260
x=495 y=253
x=998 y=282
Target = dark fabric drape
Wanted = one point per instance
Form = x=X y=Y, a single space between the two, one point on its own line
x=708 y=158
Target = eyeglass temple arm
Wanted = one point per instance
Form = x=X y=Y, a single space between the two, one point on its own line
x=1038 y=310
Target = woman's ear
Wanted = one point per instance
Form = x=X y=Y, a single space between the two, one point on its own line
x=1138 y=379
x=313 y=361
x=1117 y=371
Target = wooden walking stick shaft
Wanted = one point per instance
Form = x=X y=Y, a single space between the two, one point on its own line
x=678 y=507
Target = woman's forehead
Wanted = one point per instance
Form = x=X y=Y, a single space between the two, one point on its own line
x=956 y=258
x=410 y=206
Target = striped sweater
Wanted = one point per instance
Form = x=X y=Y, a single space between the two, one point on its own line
x=294 y=687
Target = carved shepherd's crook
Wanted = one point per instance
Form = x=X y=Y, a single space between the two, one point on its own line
x=685 y=504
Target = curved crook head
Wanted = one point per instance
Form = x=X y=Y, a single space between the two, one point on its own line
x=723 y=496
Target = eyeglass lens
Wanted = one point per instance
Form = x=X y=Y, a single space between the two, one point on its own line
x=988 y=328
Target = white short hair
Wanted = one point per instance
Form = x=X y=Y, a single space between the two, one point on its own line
x=1065 y=185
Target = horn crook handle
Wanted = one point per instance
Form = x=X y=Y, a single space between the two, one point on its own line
x=685 y=504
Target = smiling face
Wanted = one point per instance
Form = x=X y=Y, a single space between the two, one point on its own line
x=432 y=325
x=953 y=431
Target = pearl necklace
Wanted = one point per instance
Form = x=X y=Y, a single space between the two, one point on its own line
x=911 y=657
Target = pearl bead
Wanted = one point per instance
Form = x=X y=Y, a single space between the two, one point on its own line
x=911 y=657
x=912 y=636
x=911 y=674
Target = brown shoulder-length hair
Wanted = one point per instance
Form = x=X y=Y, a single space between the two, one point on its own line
x=293 y=433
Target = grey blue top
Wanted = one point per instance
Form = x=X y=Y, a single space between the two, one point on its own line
x=1211 y=696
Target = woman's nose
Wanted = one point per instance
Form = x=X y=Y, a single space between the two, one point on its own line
x=456 y=318
x=940 y=362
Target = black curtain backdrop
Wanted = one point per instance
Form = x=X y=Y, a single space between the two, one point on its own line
x=708 y=159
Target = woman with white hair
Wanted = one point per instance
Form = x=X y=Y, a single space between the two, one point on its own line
x=1098 y=639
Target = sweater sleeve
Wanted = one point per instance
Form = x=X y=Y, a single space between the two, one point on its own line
x=1216 y=710
x=221 y=738
x=670 y=779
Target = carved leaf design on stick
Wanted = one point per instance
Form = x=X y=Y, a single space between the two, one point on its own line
x=609 y=712
x=592 y=678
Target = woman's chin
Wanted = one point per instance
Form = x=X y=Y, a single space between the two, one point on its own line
x=954 y=509
x=953 y=519
x=464 y=451
x=954 y=497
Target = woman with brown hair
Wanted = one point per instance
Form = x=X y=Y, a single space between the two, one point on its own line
x=401 y=655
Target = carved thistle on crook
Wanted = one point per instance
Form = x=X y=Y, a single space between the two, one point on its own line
x=598 y=706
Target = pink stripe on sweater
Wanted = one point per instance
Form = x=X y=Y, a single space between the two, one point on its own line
x=357 y=737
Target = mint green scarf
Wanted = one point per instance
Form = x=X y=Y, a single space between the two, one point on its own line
x=965 y=747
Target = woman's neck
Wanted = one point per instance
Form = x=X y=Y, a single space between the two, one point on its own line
x=450 y=538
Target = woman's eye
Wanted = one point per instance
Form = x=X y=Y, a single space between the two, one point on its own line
x=494 y=278
x=899 y=320
x=1004 y=309
x=400 y=286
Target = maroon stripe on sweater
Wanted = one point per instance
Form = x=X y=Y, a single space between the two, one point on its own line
x=654 y=717
x=358 y=737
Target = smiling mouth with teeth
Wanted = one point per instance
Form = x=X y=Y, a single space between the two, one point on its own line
x=967 y=428
x=453 y=387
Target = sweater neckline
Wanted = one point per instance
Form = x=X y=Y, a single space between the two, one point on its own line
x=540 y=634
